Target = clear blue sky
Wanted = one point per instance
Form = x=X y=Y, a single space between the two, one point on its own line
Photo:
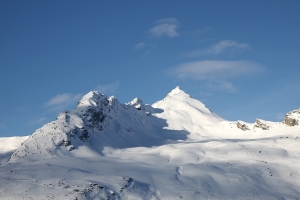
x=240 y=58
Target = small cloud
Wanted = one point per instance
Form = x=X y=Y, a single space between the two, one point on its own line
x=39 y=121
x=107 y=88
x=140 y=45
x=61 y=101
x=216 y=73
x=165 y=27
x=216 y=69
x=223 y=46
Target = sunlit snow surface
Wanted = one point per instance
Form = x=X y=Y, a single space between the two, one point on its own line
x=211 y=159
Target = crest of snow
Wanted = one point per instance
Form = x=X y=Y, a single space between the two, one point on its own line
x=185 y=113
x=178 y=91
x=137 y=103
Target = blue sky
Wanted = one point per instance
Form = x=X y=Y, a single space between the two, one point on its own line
x=240 y=58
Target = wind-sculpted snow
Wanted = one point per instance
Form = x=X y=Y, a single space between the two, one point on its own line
x=175 y=149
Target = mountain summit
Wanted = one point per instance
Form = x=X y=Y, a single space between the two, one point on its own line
x=99 y=121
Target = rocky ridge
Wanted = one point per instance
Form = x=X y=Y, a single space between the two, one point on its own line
x=96 y=122
x=292 y=118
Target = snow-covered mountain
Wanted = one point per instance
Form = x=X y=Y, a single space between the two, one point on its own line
x=174 y=149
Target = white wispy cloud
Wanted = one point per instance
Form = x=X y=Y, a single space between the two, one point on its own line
x=61 y=101
x=224 y=46
x=216 y=69
x=217 y=73
x=39 y=120
x=107 y=88
x=140 y=45
x=165 y=27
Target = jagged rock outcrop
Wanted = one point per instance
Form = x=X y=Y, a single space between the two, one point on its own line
x=261 y=124
x=292 y=118
x=241 y=125
x=137 y=103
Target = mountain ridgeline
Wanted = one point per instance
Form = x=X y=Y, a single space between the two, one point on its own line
x=98 y=122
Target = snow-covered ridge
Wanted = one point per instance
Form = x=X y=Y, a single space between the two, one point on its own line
x=174 y=149
x=99 y=121
x=96 y=122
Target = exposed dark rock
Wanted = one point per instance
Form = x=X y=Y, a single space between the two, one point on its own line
x=260 y=124
x=137 y=103
x=292 y=118
x=241 y=125
x=84 y=135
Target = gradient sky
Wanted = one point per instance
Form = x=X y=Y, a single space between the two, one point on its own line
x=240 y=58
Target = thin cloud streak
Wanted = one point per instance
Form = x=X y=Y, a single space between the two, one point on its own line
x=224 y=46
x=61 y=101
x=216 y=69
x=140 y=45
x=165 y=27
x=107 y=88
x=217 y=73
x=38 y=121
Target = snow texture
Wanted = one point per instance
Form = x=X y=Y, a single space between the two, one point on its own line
x=174 y=149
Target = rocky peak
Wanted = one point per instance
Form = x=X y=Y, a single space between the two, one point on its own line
x=137 y=103
x=242 y=125
x=92 y=98
x=261 y=124
x=292 y=118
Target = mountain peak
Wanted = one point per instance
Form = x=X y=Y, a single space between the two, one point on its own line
x=92 y=98
x=178 y=91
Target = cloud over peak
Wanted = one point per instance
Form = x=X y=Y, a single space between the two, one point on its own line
x=165 y=27
x=216 y=73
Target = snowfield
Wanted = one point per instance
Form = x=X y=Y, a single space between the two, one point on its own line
x=174 y=149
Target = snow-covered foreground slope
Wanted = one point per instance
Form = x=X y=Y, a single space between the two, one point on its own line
x=174 y=149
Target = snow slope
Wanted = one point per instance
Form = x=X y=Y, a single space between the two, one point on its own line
x=175 y=149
